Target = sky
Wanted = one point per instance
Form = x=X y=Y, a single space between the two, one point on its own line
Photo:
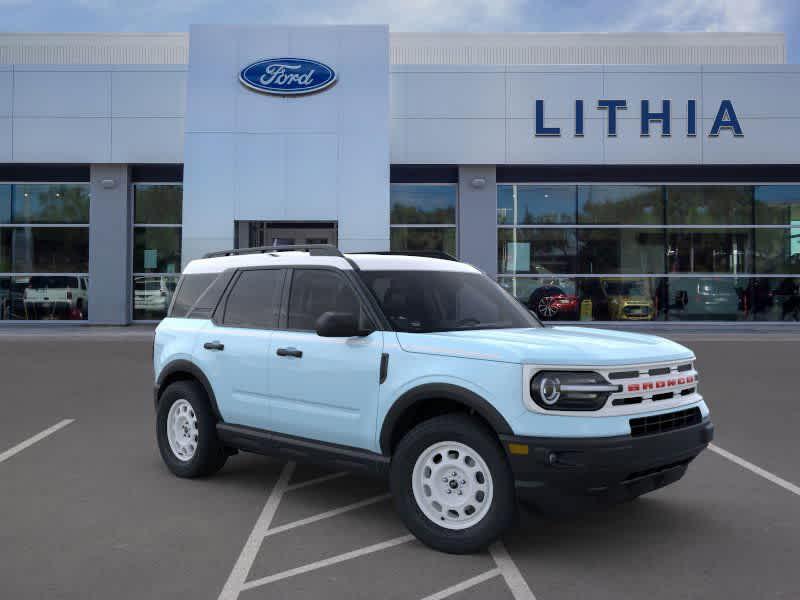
x=414 y=15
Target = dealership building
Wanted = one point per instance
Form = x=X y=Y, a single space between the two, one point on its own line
x=598 y=177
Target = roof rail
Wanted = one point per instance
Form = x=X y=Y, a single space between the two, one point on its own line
x=423 y=253
x=312 y=249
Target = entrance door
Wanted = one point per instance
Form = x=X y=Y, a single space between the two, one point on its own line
x=252 y=234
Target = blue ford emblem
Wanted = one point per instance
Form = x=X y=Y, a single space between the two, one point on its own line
x=287 y=76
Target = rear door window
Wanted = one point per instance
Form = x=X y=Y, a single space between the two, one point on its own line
x=254 y=300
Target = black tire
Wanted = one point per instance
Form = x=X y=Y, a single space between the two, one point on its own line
x=466 y=430
x=210 y=455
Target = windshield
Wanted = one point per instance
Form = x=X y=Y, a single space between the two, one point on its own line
x=626 y=288
x=430 y=301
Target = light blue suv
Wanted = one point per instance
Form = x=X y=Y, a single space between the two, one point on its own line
x=425 y=371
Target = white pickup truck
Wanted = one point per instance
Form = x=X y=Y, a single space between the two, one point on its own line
x=56 y=296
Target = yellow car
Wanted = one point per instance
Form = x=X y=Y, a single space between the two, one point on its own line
x=628 y=299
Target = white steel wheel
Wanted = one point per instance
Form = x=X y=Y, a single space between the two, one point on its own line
x=452 y=485
x=182 y=432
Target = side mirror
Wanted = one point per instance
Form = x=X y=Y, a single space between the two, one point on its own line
x=339 y=324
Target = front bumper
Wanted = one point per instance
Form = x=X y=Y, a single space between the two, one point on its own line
x=557 y=472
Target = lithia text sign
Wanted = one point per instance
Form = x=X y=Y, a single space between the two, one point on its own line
x=725 y=120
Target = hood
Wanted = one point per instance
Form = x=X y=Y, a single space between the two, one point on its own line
x=567 y=346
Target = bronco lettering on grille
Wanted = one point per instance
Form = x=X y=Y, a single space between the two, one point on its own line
x=660 y=384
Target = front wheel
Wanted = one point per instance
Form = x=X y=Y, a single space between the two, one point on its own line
x=186 y=431
x=452 y=485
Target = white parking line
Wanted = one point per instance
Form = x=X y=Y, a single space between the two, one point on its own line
x=327 y=562
x=510 y=572
x=327 y=514
x=464 y=585
x=235 y=584
x=33 y=439
x=756 y=469
x=310 y=482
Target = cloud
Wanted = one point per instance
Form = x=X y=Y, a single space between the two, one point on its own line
x=417 y=15
x=704 y=15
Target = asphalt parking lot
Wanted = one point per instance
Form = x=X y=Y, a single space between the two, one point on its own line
x=87 y=509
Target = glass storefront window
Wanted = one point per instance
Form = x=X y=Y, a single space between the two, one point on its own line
x=152 y=295
x=778 y=250
x=611 y=251
x=710 y=250
x=44 y=251
x=775 y=299
x=550 y=298
x=535 y=204
x=423 y=204
x=777 y=205
x=620 y=205
x=708 y=299
x=44 y=204
x=709 y=205
x=424 y=239
x=702 y=252
x=432 y=205
x=157 y=232
x=537 y=251
x=157 y=250
x=158 y=204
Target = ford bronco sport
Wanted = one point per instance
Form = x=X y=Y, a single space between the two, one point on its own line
x=423 y=370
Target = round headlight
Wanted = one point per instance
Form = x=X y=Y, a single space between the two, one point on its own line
x=549 y=390
x=571 y=390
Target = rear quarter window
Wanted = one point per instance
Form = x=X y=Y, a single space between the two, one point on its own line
x=191 y=287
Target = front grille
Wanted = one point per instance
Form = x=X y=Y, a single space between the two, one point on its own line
x=666 y=422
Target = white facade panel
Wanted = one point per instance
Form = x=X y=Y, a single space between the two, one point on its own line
x=635 y=86
x=5 y=139
x=765 y=141
x=62 y=93
x=311 y=177
x=303 y=135
x=209 y=178
x=210 y=94
x=266 y=154
x=148 y=93
x=558 y=90
x=524 y=148
x=363 y=216
x=473 y=95
x=77 y=140
x=753 y=94
x=629 y=148
x=454 y=141
x=147 y=140
x=6 y=91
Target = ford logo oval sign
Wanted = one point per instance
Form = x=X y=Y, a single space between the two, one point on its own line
x=287 y=76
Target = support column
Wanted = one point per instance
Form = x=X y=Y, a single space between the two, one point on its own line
x=477 y=217
x=109 y=244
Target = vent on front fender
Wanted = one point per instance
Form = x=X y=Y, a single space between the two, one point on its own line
x=666 y=422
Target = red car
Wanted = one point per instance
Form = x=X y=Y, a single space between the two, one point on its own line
x=550 y=302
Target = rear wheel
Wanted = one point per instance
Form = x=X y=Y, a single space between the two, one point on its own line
x=452 y=485
x=186 y=431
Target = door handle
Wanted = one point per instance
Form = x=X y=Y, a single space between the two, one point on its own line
x=214 y=346
x=290 y=352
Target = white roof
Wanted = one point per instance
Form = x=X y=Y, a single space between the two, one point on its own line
x=366 y=262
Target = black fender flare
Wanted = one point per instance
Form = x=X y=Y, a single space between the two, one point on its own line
x=189 y=368
x=440 y=391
